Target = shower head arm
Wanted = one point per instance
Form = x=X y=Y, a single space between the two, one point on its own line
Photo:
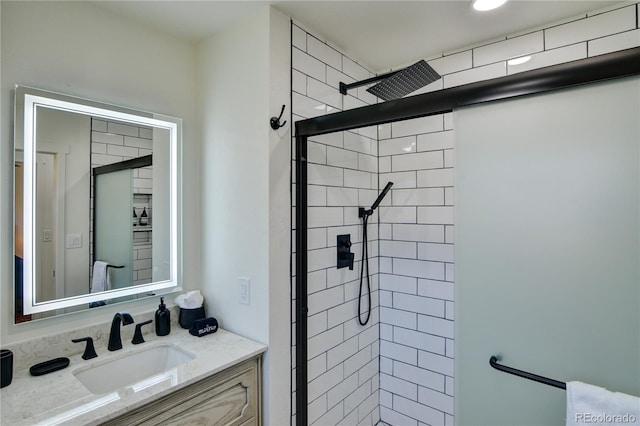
x=344 y=87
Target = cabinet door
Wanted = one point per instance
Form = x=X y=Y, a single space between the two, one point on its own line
x=228 y=398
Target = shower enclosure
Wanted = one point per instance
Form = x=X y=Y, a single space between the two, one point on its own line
x=402 y=361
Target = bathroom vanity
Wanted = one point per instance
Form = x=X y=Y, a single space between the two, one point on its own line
x=218 y=381
x=231 y=397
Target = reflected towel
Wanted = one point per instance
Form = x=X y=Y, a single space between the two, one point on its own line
x=100 y=280
x=593 y=405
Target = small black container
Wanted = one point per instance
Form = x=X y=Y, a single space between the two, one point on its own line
x=188 y=316
x=6 y=367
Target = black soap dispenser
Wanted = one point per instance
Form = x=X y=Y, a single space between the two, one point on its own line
x=163 y=319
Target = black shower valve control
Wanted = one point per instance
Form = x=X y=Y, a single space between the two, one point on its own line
x=344 y=255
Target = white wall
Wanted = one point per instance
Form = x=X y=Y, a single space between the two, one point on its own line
x=80 y=49
x=244 y=80
x=234 y=92
x=278 y=406
x=70 y=133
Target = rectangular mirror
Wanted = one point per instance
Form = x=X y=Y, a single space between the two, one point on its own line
x=96 y=203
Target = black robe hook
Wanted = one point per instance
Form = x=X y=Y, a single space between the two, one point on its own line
x=275 y=121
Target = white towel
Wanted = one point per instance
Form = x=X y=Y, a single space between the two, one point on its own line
x=100 y=280
x=593 y=405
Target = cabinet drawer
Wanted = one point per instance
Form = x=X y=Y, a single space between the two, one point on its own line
x=231 y=397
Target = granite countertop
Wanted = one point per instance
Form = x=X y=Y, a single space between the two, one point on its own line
x=59 y=398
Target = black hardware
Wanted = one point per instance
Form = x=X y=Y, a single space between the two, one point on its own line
x=49 y=366
x=115 y=342
x=405 y=81
x=89 y=350
x=396 y=84
x=115 y=266
x=134 y=163
x=137 y=335
x=344 y=87
x=364 y=214
x=301 y=281
x=300 y=271
x=493 y=361
x=275 y=121
x=344 y=256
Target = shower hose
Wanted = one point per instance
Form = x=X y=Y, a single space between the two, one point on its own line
x=365 y=260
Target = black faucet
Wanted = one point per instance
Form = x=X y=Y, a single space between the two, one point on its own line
x=89 y=350
x=115 y=342
x=137 y=336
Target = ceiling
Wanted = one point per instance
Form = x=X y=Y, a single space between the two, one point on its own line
x=380 y=34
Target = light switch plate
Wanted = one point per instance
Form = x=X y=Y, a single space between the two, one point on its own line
x=244 y=290
x=74 y=241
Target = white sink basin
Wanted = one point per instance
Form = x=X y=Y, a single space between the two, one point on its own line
x=114 y=374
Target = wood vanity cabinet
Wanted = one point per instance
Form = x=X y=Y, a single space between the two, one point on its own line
x=231 y=397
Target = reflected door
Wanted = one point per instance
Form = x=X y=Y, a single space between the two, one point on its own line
x=46 y=232
x=113 y=222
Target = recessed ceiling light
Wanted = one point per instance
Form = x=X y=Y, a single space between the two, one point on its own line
x=484 y=5
x=518 y=61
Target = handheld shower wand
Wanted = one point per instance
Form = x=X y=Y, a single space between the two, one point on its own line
x=362 y=211
x=364 y=214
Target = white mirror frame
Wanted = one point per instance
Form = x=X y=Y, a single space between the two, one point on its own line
x=33 y=101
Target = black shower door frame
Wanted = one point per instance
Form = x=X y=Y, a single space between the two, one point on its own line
x=624 y=63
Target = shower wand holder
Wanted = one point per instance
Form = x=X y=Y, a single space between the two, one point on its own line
x=362 y=212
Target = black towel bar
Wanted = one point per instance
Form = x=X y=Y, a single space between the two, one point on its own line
x=115 y=266
x=493 y=361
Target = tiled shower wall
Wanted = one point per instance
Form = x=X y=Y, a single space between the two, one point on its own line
x=416 y=272
x=416 y=231
x=343 y=378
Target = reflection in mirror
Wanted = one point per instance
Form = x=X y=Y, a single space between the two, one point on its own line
x=95 y=205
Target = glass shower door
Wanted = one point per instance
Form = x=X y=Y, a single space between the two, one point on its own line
x=113 y=221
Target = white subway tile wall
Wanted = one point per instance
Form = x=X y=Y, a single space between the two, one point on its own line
x=596 y=26
x=415 y=272
x=508 y=49
x=343 y=357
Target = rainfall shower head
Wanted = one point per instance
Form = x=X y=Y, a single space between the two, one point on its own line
x=405 y=81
